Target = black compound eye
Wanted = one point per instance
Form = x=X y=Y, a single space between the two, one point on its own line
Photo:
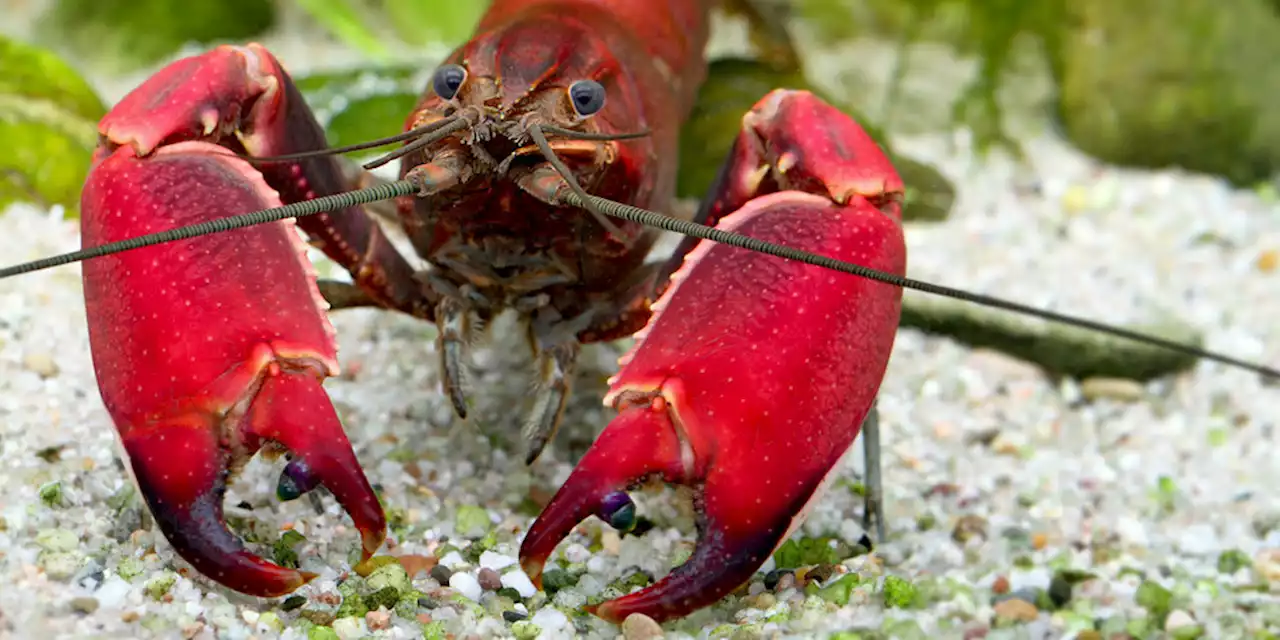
x=587 y=97
x=619 y=511
x=447 y=80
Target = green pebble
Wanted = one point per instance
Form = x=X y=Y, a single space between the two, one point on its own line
x=353 y=584
x=293 y=602
x=525 y=630
x=51 y=494
x=626 y=583
x=1189 y=632
x=384 y=597
x=59 y=565
x=129 y=568
x=926 y=522
x=353 y=606
x=160 y=585
x=121 y=498
x=839 y=591
x=390 y=575
x=57 y=540
x=317 y=617
x=1232 y=561
x=898 y=593
x=433 y=630
x=471 y=521
x=1154 y=598
x=1138 y=627
x=322 y=633
x=283 y=551
x=904 y=630
x=271 y=621
x=155 y=624
x=557 y=579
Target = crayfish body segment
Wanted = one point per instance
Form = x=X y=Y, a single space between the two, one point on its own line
x=758 y=371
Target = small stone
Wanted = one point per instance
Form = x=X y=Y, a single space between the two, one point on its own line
x=1118 y=389
x=270 y=621
x=1267 y=565
x=322 y=618
x=346 y=628
x=520 y=582
x=51 y=494
x=496 y=561
x=525 y=630
x=1000 y=586
x=57 y=540
x=969 y=527
x=1039 y=541
x=441 y=574
x=59 y=565
x=771 y=579
x=489 y=579
x=512 y=615
x=785 y=581
x=1016 y=610
x=84 y=604
x=1075 y=199
x=390 y=575
x=611 y=542
x=41 y=364
x=1268 y=260
x=378 y=620
x=638 y=626
x=1178 y=619
x=467 y=585
x=1006 y=444
x=159 y=585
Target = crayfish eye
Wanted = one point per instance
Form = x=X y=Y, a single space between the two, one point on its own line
x=587 y=97
x=447 y=80
x=619 y=511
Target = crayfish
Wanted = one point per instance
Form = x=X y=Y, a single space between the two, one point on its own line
x=209 y=349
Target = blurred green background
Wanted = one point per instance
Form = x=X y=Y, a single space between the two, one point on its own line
x=1143 y=83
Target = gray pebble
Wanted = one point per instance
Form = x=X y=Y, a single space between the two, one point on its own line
x=84 y=604
x=441 y=574
x=489 y=579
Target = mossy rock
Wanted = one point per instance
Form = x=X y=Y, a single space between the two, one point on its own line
x=1057 y=349
x=1173 y=83
x=733 y=86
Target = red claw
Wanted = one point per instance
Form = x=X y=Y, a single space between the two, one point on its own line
x=755 y=373
x=206 y=349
